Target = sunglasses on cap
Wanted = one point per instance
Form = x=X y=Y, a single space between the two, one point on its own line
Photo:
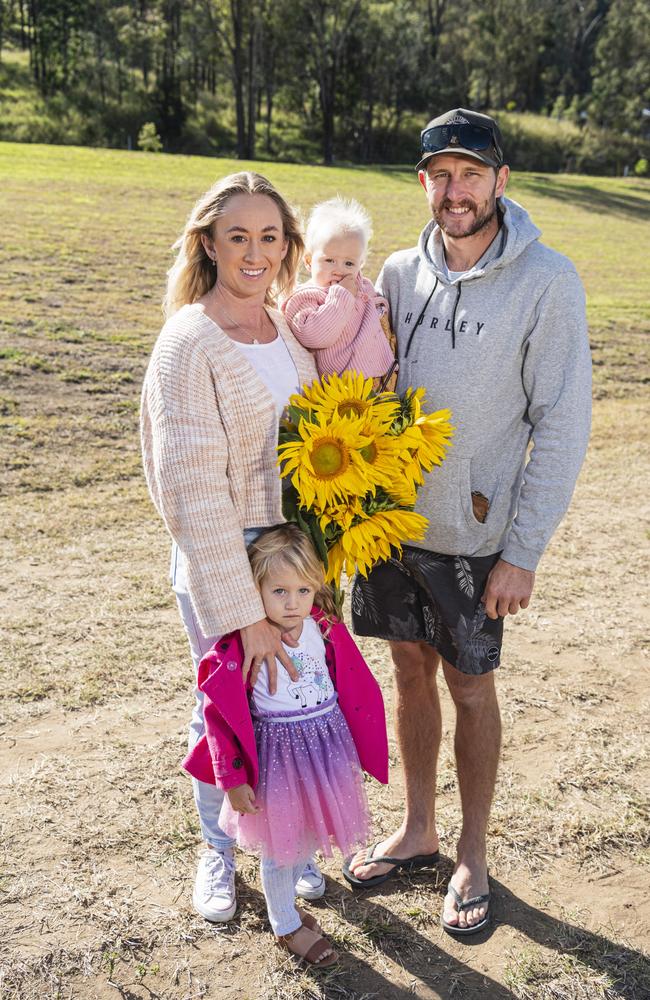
x=474 y=137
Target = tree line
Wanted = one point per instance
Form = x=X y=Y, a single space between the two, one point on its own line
x=230 y=75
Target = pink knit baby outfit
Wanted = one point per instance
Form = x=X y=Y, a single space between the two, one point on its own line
x=342 y=330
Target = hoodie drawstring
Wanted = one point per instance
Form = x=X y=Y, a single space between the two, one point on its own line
x=424 y=309
x=420 y=318
x=453 y=319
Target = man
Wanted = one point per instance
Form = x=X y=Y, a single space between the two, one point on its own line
x=492 y=323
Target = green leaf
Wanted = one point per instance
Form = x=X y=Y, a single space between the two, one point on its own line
x=290 y=504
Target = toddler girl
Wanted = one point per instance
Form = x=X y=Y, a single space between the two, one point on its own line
x=291 y=763
x=338 y=314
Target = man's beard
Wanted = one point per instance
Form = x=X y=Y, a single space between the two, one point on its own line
x=482 y=217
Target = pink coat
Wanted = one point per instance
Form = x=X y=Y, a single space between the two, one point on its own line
x=227 y=756
x=344 y=332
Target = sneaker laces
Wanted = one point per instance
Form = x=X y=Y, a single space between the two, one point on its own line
x=220 y=871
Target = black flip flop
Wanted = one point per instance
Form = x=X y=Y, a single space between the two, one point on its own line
x=467 y=904
x=416 y=863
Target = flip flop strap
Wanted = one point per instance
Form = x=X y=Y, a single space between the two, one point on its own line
x=370 y=857
x=467 y=903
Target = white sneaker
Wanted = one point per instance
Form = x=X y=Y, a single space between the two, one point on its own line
x=214 y=888
x=311 y=884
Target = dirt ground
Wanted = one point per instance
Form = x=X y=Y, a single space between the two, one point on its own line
x=98 y=830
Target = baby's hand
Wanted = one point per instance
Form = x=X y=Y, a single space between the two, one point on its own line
x=242 y=799
x=350 y=282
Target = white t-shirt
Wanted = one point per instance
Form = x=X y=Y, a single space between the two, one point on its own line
x=313 y=686
x=275 y=366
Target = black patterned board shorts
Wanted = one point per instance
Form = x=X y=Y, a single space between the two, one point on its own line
x=432 y=598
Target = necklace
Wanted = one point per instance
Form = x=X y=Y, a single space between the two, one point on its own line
x=237 y=325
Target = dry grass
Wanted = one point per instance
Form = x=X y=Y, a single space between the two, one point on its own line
x=97 y=827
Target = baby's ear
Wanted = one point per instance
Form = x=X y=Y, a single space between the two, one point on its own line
x=307 y=261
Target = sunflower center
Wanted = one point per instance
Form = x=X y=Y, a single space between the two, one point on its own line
x=330 y=458
x=352 y=408
x=370 y=452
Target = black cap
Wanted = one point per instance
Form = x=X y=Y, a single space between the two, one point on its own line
x=464 y=132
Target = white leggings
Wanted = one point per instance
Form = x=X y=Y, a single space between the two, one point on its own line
x=279 y=885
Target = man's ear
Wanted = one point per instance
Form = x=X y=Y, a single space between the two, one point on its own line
x=422 y=177
x=503 y=174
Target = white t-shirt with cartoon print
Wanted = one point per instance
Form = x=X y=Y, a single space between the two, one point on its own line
x=313 y=687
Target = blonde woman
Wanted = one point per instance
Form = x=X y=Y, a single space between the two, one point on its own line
x=221 y=372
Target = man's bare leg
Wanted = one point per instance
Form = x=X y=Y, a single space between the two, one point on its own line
x=477 y=745
x=418 y=728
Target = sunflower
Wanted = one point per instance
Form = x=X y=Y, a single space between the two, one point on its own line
x=385 y=456
x=347 y=395
x=426 y=435
x=340 y=516
x=373 y=539
x=325 y=459
x=403 y=489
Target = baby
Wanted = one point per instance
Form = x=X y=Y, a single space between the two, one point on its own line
x=338 y=314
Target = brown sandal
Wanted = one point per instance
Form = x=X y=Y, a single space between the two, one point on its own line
x=312 y=953
x=309 y=920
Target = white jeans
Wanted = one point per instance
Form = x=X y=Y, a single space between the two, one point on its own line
x=208 y=798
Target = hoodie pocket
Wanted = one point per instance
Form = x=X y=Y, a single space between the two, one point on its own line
x=480 y=529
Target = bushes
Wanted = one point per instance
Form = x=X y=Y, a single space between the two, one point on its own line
x=534 y=142
x=148 y=139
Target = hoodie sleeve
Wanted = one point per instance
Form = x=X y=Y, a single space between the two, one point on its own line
x=556 y=375
x=381 y=287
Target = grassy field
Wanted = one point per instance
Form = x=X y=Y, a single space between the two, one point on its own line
x=97 y=827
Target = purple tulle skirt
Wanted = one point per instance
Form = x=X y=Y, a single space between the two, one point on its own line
x=311 y=788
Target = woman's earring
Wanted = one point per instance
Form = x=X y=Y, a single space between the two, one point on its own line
x=214 y=261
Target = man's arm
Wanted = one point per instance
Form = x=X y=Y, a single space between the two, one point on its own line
x=556 y=374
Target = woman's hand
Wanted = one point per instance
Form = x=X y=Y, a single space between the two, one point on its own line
x=242 y=799
x=262 y=641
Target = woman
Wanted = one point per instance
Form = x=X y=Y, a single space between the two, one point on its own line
x=220 y=374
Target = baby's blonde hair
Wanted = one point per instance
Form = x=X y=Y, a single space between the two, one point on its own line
x=337 y=217
x=287 y=544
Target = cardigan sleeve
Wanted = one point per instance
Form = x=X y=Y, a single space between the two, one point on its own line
x=186 y=465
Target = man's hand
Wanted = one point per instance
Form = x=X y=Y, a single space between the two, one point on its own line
x=508 y=588
x=262 y=641
x=350 y=282
x=242 y=799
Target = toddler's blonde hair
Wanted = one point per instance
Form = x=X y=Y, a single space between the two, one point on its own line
x=288 y=545
x=337 y=217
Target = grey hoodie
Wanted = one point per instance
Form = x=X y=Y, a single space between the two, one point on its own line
x=506 y=348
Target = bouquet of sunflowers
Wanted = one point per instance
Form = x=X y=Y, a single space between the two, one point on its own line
x=356 y=459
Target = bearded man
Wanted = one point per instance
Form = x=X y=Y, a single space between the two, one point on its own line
x=492 y=323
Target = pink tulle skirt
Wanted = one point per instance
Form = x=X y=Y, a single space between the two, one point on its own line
x=311 y=788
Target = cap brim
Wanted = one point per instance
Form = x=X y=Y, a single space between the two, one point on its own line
x=459 y=151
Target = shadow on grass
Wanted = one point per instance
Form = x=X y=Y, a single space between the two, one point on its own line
x=398 y=940
x=628 y=969
x=587 y=196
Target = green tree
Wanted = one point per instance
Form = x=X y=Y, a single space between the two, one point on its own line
x=621 y=72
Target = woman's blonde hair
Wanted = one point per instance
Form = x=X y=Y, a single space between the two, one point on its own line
x=193 y=272
x=289 y=545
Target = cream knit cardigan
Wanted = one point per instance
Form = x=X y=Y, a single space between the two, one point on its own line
x=209 y=431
